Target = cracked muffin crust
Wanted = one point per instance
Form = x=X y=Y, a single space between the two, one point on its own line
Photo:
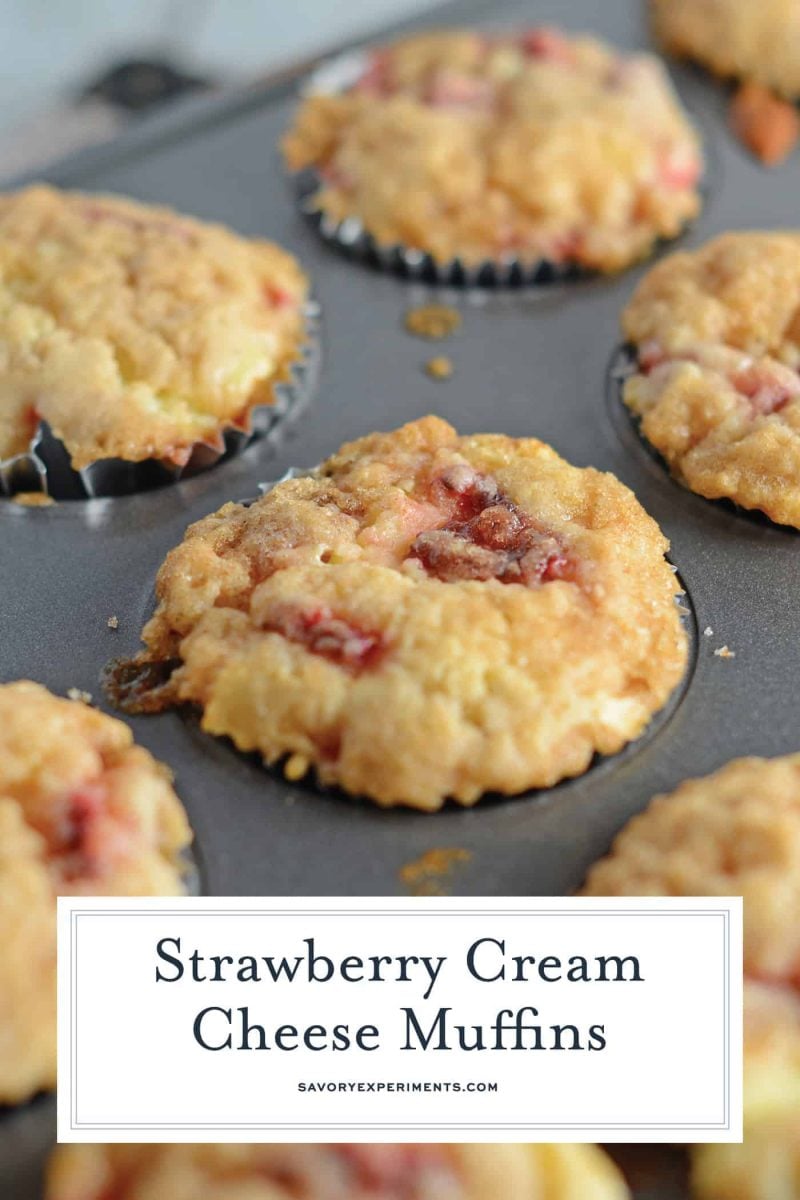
x=736 y=38
x=526 y=147
x=82 y=812
x=425 y=616
x=334 y=1172
x=736 y=832
x=136 y=332
x=717 y=389
x=766 y=1165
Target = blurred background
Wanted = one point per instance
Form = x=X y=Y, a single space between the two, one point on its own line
x=82 y=69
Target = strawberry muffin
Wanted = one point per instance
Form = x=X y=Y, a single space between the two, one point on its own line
x=736 y=832
x=135 y=332
x=739 y=38
x=82 y=812
x=766 y=1165
x=336 y=1172
x=716 y=334
x=423 y=617
x=504 y=148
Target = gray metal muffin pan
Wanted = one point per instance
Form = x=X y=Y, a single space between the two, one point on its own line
x=526 y=363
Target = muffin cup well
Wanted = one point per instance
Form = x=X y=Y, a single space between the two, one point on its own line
x=45 y=465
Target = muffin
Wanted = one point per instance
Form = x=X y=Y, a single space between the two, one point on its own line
x=739 y=38
x=766 y=1165
x=83 y=811
x=716 y=334
x=336 y=1172
x=758 y=43
x=135 y=332
x=736 y=832
x=496 y=148
x=423 y=617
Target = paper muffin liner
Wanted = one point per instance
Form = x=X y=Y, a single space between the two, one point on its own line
x=350 y=236
x=45 y=466
x=623 y=364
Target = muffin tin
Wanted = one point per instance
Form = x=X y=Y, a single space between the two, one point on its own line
x=527 y=362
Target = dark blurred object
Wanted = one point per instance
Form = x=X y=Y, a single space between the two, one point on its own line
x=140 y=84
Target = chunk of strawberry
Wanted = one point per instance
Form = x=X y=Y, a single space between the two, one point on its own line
x=650 y=354
x=547 y=43
x=277 y=297
x=768 y=386
x=389 y=1170
x=456 y=90
x=487 y=536
x=376 y=79
x=338 y=639
x=464 y=492
x=678 y=168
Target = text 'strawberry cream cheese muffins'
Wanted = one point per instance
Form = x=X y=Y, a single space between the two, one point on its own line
x=739 y=38
x=489 y=149
x=425 y=616
x=716 y=334
x=335 y=1172
x=134 y=332
x=736 y=833
x=82 y=812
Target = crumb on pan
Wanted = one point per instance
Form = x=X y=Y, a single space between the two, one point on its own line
x=440 y=367
x=113 y=622
x=725 y=652
x=708 y=631
x=435 y=321
x=428 y=875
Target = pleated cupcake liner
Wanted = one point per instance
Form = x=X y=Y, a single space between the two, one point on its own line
x=349 y=235
x=45 y=467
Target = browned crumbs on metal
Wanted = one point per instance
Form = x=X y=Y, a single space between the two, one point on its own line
x=433 y=321
x=429 y=874
x=439 y=367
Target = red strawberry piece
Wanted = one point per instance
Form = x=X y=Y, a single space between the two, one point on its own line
x=547 y=44
x=336 y=638
x=457 y=90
